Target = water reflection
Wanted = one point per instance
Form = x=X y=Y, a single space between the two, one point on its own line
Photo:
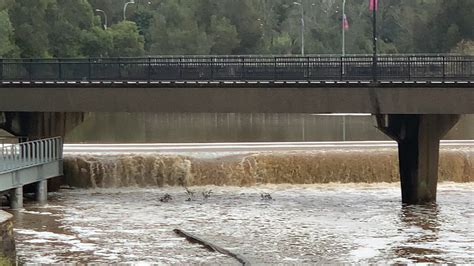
x=421 y=225
x=206 y=127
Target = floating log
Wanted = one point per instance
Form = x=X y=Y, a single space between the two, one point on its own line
x=211 y=247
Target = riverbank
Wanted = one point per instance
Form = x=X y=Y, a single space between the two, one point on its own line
x=7 y=241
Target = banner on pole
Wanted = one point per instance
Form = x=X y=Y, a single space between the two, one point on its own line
x=345 y=22
x=373 y=5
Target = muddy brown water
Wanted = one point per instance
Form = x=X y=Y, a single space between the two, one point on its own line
x=329 y=223
x=326 y=206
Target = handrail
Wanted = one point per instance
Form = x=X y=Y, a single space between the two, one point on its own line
x=242 y=68
x=14 y=156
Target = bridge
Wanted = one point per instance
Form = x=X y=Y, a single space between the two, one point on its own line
x=30 y=162
x=416 y=99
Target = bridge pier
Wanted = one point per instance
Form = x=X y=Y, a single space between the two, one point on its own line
x=418 y=138
x=16 y=198
x=41 y=193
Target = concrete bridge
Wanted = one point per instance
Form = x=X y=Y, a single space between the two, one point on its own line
x=415 y=99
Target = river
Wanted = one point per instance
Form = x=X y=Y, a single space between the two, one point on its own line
x=285 y=203
x=331 y=223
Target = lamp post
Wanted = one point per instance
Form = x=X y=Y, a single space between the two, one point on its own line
x=302 y=26
x=105 y=17
x=125 y=9
x=343 y=28
x=374 y=6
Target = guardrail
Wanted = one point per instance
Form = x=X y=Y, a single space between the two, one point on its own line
x=14 y=156
x=242 y=68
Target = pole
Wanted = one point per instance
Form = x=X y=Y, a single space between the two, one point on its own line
x=125 y=9
x=344 y=137
x=1 y=68
x=343 y=29
x=105 y=17
x=343 y=36
x=374 y=56
x=302 y=26
x=302 y=30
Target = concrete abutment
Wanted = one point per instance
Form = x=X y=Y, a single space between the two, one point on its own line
x=418 y=138
x=36 y=125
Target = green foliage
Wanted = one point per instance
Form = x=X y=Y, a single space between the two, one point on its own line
x=126 y=40
x=72 y=28
x=96 y=42
x=7 y=43
x=176 y=31
x=282 y=44
x=31 y=29
x=464 y=47
x=224 y=35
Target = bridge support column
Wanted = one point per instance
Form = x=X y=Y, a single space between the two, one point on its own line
x=418 y=138
x=16 y=198
x=42 y=192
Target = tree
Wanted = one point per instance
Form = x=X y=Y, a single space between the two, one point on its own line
x=176 y=31
x=7 y=42
x=464 y=47
x=71 y=28
x=126 y=40
x=96 y=42
x=224 y=35
x=30 y=27
x=282 y=44
x=243 y=14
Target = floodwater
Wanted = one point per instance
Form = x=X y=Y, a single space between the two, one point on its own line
x=331 y=223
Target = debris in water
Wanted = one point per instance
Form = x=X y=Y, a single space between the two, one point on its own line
x=166 y=198
x=211 y=247
x=266 y=196
x=207 y=194
x=189 y=193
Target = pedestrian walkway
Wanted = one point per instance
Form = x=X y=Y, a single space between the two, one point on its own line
x=27 y=163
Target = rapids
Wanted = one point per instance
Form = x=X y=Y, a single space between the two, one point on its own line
x=253 y=168
x=301 y=224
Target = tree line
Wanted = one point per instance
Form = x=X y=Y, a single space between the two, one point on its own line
x=73 y=28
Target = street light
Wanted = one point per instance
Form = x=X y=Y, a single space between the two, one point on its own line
x=125 y=9
x=302 y=26
x=344 y=28
x=344 y=21
x=105 y=17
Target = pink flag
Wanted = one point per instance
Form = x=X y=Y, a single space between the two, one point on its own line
x=345 y=22
x=373 y=5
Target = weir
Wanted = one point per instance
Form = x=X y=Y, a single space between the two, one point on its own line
x=319 y=165
x=418 y=138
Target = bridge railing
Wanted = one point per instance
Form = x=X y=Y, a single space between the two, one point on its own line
x=15 y=156
x=242 y=68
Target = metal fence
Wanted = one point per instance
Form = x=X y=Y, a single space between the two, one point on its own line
x=242 y=68
x=14 y=156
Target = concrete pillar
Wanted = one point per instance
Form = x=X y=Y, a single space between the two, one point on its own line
x=42 y=192
x=418 y=138
x=16 y=198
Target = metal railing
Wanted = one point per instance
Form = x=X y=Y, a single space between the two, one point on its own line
x=242 y=68
x=14 y=156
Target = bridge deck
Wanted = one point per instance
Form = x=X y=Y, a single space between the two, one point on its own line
x=391 y=84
